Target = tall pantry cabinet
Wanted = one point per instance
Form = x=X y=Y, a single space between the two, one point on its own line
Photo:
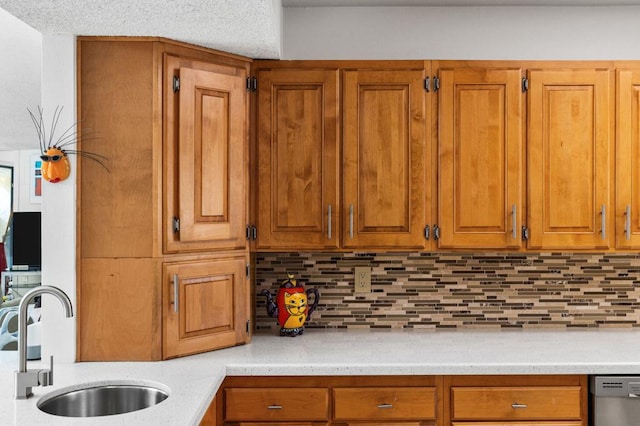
x=162 y=256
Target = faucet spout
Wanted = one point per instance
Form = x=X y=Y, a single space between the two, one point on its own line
x=24 y=381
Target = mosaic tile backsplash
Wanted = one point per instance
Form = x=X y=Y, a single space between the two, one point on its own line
x=461 y=290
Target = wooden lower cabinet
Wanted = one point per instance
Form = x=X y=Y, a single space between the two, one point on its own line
x=212 y=312
x=510 y=400
x=276 y=404
x=578 y=423
x=277 y=423
x=516 y=400
x=384 y=423
x=205 y=305
x=384 y=403
x=330 y=400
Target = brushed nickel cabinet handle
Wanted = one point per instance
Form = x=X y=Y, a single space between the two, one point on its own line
x=515 y=405
x=603 y=212
x=627 y=223
x=329 y=222
x=176 y=292
x=514 y=222
x=385 y=406
x=274 y=407
x=351 y=221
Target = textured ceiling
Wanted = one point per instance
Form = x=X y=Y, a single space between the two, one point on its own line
x=336 y=3
x=245 y=27
x=251 y=28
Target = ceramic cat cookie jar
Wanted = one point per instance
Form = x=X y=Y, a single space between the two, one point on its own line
x=291 y=306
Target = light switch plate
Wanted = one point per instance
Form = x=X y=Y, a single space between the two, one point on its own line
x=362 y=279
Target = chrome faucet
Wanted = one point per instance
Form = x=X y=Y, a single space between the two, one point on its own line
x=26 y=379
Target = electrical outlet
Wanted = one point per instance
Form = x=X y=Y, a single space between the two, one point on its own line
x=362 y=280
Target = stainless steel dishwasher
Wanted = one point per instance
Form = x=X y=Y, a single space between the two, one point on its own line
x=615 y=400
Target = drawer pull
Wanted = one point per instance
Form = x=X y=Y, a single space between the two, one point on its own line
x=516 y=405
x=385 y=406
x=274 y=407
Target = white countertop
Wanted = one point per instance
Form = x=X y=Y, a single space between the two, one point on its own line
x=193 y=381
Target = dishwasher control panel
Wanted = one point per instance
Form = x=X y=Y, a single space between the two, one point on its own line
x=620 y=386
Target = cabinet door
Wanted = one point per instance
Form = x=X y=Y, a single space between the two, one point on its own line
x=206 y=305
x=298 y=159
x=569 y=163
x=206 y=156
x=628 y=160
x=384 y=159
x=480 y=198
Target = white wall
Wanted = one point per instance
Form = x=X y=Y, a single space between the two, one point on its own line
x=59 y=203
x=462 y=32
x=20 y=72
x=277 y=24
x=21 y=163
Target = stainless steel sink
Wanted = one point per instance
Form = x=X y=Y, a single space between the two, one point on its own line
x=94 y=400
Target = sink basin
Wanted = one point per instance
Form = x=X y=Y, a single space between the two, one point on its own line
x=94 y=400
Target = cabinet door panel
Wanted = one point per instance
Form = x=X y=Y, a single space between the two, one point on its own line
x=628 y=160
x=384 y=159
x=569 y=159
x=209 y=157
x=298 y=159
x=205 y=156
x=212 y=306
x=480 y=158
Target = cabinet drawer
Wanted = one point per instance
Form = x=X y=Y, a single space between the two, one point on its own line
x=499 y=423
x=278 y=424
x=389 y=403
x=516 y=403
x=267 y=404
x=387 y=423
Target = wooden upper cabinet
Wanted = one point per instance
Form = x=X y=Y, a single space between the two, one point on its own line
x=480 y=185
x=206 y=155
x=206 y=305
x=628 y=160
x=298 y=159
x=384 y=131
x=569 y=159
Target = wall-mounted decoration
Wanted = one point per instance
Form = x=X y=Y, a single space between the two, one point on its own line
x=54 y=149
x=35 y=186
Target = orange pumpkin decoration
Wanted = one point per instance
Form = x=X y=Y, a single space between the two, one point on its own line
x=55 y=166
